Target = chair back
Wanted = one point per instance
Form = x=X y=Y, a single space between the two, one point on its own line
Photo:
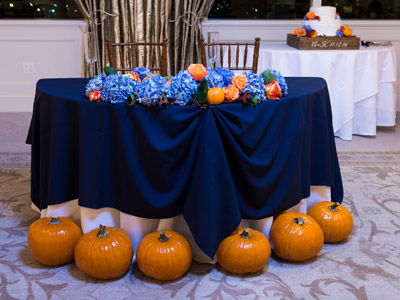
x=232 y=52
x=124 y=57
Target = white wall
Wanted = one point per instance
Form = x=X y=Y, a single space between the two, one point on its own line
x=275 y=31
x=53 y=46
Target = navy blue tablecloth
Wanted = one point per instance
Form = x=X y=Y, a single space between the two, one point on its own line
x=214 y=165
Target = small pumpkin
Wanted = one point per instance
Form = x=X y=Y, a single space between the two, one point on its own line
x=335 y=220
x=215 y=96
x=295 y=236
x=51 y=241
x=164 y=255
x=104 y=253
x=245 y=251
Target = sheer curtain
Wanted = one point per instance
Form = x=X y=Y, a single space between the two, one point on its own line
x=149 y=20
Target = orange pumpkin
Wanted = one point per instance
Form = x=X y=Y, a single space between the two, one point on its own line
x=296 y=236
x=104 y=253
x=51 y=241
x=245 y=251
x=215 y=96
x=335 y=220
x=164 y=255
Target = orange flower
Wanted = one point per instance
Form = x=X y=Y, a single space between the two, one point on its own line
x=148 y=76
x=134 y=76
x=95 y=96
x=347 y=31
x=239 y=81
x=314 y=33
x=231 y=93
x=197 y=71
x=273 y=90
x=301 y=32
x=295 y=30
x=310 y=15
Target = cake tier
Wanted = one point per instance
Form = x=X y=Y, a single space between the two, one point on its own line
x=327 y=28
x=325 y=12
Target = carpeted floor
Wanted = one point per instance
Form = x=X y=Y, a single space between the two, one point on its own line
x=366 y=266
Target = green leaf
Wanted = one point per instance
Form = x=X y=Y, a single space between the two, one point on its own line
x=202 y=91
x=109 y=70
x=253 y=100
x=268 y=77
x=131 y=100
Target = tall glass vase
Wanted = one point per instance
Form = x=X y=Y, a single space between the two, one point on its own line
x=90 y=44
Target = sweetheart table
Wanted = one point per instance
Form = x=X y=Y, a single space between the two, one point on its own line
x=200 y=171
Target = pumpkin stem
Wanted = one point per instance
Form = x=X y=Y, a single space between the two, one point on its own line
x=333 y=207
x=245 y=234
x=54 y=221
x=163 y=237
x=212 y=83
x=102 y=231
x=299 y=221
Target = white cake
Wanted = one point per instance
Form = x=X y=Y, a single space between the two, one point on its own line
x=328 y=24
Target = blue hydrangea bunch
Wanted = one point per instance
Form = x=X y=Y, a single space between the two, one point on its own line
x=308 y=28
x=280 y=80
x=118 y=88
x=142 y=72
x=214 y=79
x=255 y=86
x=182 y=88
x=339 y=33
x=95 y=83
x=226 y=75
x=150 y=90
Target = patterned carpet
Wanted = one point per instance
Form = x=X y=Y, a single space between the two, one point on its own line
x=366 y=266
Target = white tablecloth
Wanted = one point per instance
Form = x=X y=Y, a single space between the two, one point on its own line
x=361 y=83
x=137 y=227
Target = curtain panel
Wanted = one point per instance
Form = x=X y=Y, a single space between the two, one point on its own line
x=126 y=21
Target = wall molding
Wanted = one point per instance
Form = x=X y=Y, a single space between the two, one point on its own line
x=55 y=48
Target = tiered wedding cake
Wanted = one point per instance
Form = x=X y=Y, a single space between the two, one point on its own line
x=328 y=23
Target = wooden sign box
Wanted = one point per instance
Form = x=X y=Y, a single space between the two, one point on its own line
x=323 y=43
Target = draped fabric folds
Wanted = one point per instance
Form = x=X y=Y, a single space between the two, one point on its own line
x=151 y=21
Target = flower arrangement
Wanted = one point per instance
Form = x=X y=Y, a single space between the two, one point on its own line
x=344 y=31
x=196 y=85
x=305 y=30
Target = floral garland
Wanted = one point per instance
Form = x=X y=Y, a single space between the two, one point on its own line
x=191 y=86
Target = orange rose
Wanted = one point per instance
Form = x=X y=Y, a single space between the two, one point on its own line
x=95 y=96
x=197 y=71
x=134 y=76
x=310 y=15
x=239 y=81
x=273 y=90
x=295 y=30
x=231 y=93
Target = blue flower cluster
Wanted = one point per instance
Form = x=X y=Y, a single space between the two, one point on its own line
x=117 y=88
x=280 y=80
x=151 y=90
x=142 y=72
x=255 y=86
x=226 y=75
x=95 y=84
x=182 y=88
x=339 y=33
x=215 y=79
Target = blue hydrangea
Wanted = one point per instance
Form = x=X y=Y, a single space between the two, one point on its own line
x=214 y=79
x=308 y=28
x=255 y=86
x=150 y=90
x=280 y=80
x=339 y=33
x=117 y=88
x=182 y=88
x=95 y=83
x=226 y=75
x=142 y=72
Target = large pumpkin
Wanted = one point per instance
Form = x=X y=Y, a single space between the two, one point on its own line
x=164 y=255
x=104 y=253
x=215 y=95
x=335 y=220
x=51 y=241
x=245 y=251
x=296 y=236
